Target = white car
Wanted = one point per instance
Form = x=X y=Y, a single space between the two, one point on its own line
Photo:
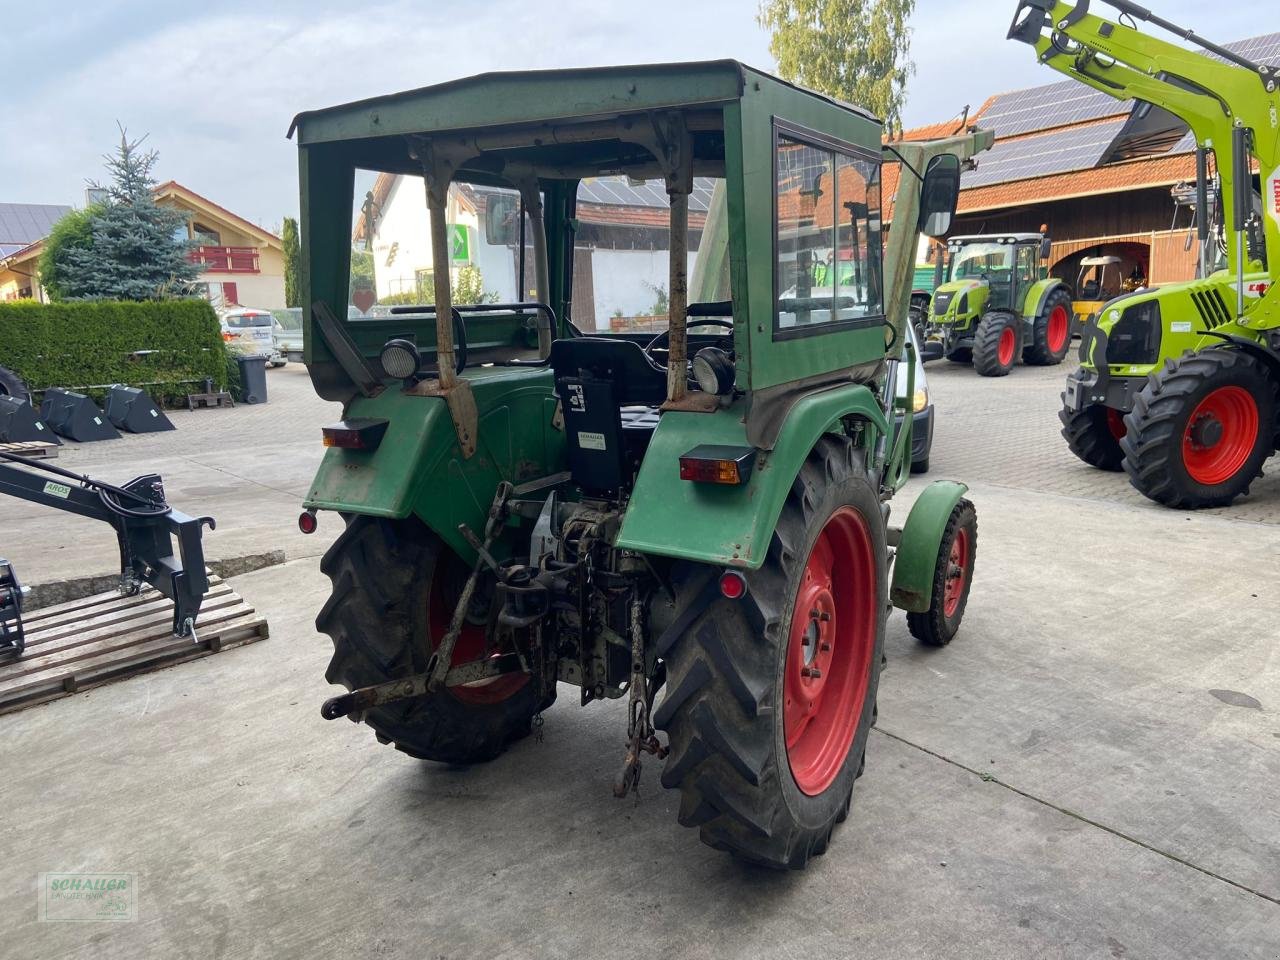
x=921 y=407
x=255 y=326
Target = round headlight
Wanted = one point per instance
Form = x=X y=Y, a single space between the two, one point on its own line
x=920 y=400
x=400 y=359
x=713 y=371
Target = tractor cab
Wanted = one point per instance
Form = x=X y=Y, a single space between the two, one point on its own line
x=1000 y=280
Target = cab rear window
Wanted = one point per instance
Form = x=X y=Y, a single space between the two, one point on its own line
x=253 y=320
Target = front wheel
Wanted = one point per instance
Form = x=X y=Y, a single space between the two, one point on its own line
x=770 y=698
x=1094 y=434
x=952 y=577
x=996 y=344
x=12 y=385
x=1200 y=429
x=1051 y=333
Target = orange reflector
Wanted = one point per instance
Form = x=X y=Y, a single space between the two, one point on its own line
x=710 y=463
x=363 y=433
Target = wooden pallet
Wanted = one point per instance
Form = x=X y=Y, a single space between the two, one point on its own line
x=35 y=450
x=106 y=637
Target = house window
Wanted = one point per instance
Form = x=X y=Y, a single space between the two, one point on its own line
x=206 y=236
x=827 y=244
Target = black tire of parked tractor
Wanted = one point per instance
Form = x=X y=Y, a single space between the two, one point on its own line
x=938 y=625
x=997 y=343
x=1093 y=434
x=1161 y=425
x=12 y=385
x=1051 y=332
x=725 y=698
x=377 y=616
x=961 y=355
x=920 y=466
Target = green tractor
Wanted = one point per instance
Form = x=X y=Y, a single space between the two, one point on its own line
x=998 y=304
x=1178 y=382
x=700 y=511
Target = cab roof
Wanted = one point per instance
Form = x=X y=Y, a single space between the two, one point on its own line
x=533 y=96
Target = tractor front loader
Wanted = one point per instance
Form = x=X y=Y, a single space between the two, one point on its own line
x=998 y=304
x=693 y=515
x=1178 y=382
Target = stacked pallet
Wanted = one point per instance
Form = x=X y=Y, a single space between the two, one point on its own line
x=106 y=637
x=34 y=450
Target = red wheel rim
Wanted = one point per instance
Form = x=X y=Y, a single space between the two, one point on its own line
x=957 y=573
x=1220 y=435
x=1008 y=342
x=1115 y=423
x=1059 y=328
x=470 y=646
x=829 y=651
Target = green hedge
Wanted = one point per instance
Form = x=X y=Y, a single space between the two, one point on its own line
x=83 y=345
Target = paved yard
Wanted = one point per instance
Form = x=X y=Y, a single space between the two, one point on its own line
x=1089 y=771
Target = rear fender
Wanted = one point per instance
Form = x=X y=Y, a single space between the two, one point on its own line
x=730 y=525
x=1034 y=303
x=916 y=559
x=418 y=468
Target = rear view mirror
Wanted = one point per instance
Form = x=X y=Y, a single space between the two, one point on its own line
x=502 y=220
x=939 y=195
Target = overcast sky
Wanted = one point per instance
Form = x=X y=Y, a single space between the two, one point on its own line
x=215 y=84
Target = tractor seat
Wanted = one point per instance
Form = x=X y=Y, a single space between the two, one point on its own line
x=609 y=393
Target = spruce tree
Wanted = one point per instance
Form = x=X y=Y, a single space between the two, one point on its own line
x=138 y=249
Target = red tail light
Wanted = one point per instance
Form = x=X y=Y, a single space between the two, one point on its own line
x=364 y=433
x=709 y=463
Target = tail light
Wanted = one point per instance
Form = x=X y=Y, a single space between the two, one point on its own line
x=709 y=463
x=363 y=433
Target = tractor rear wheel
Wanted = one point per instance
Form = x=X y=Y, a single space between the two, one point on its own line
x=12 y=385
x=952 y=577
x=997 y=343
x=1051 y=334
x=395 y=586
x=1094 y=434
x=1201 y=428
x=770 y=698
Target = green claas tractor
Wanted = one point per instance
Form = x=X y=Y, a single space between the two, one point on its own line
x=557 y=486
x=1177 y=384
x=999 y=304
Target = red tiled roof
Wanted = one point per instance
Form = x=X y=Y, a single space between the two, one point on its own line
x=1148 y=172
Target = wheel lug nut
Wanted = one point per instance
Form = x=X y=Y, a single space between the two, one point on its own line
x=825 y=647
x=812 y=672
x=824 y=617
x=813 y=615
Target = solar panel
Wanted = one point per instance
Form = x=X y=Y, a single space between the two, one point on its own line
x=621 y=192
x=1041 y=155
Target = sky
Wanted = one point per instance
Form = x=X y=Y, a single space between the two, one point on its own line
x=214 y=84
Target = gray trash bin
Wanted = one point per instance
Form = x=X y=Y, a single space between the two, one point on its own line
x=253 y=379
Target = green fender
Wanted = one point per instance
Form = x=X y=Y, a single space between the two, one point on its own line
x=729 y=525
x=917 y=556
x=1033 y=303
x=418 y=467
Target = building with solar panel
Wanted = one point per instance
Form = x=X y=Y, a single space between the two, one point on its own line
x=1104 y=178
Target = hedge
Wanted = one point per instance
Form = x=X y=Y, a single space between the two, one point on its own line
x=90 y=344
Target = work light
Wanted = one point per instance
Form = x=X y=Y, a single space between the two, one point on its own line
x=400 y=359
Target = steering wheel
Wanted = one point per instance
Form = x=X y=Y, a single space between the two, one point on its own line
x=691 y=322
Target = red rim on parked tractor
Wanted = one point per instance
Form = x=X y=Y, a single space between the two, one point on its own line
x=1059 y=328
x=470 y=646
x=957 y=573
x=1115 y=423
x=1008 y=343
x=1220 y=435
x=832 y=641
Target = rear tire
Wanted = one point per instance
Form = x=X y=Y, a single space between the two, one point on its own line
x=1200 y=429
x=12 y=385
x=920 y=466
x=997 y=344
x=1094 y=434
x=758 y=751
x=1051 y=334
x=381 y=616
x=952 y=578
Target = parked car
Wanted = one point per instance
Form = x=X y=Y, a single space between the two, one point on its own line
x=922 y=410
x=256 y=326
x=288 y=333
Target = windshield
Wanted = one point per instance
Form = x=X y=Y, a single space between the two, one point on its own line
x=622 y=250
x=977 y=261
x=243 y=321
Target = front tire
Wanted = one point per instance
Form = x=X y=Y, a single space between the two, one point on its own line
x=12 y=385
x=770 y=698
x=1051 y=333
x=395 y=584
x=997 y=344
x=952 y=578
x=1200 y=429
x=1094 y=434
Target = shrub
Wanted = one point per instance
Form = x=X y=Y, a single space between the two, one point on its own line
x=95 y=344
